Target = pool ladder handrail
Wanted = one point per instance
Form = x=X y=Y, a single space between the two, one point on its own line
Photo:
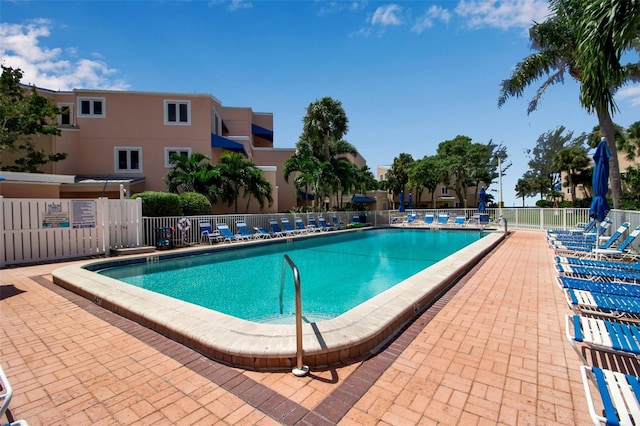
x=300 y=369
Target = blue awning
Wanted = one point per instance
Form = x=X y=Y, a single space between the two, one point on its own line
x=362 y=199
x=262 y=132
x=220 y=142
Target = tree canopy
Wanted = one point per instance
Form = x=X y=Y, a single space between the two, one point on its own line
x=24 y=114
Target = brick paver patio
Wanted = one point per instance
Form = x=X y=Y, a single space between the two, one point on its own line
x=492 y=351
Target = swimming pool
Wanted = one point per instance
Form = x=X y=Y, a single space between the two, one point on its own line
x=262 y=346
x=337 y=273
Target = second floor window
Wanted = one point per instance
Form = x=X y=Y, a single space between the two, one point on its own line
x=91 y=107
x=170 y=152
x=65 y=118
x=128 y=159
x=177 y=112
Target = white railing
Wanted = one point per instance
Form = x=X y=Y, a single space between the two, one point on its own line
x=45 y=230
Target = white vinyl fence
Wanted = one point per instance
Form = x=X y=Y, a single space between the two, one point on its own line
x=44 y=230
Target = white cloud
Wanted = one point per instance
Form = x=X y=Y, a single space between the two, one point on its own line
x=239 y=4
x=52 y=68
x=501 y=14
x=233 y=5
x=434 y=13
x=631 y=92
x=387 y=15
x=336 y=7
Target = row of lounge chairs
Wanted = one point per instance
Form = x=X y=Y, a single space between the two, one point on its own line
x=602 y=287
x=443 y=219
x=223 y=233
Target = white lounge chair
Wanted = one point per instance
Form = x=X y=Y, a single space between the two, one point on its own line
x=618 y=395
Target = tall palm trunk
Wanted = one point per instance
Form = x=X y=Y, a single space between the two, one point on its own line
x=608 y=131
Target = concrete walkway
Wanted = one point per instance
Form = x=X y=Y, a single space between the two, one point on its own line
x=491 y=351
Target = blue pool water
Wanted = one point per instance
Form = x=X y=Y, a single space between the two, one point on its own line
x=337 y=272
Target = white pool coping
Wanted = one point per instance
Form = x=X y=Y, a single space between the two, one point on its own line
x=259 y=346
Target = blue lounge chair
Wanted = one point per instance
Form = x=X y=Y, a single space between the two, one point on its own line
x=288 y=229
x=428 y=219
x=620 y=289
x=580 y=228
x=300 y=226
x=602 y=304
x=623 y=250
x=604 y=274
x=263 y=233
x=618 y=393
x=244 y=231
x=313 y=225
x=324 y=225
x=275 y=228
x=459 y=220
x=207 y=233
x=443 y=218
x=611 y=264
x=411 y=217
x=604 y=335
x=225 y=232
x=571 y=246
x=336 y=223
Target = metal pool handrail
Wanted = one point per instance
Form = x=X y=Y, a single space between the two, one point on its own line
x=299 y=370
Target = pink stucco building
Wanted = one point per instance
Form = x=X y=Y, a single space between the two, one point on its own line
x=115 y=138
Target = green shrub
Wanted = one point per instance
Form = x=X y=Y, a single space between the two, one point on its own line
x=194 y=204
x=544 y=204
x=158 y=204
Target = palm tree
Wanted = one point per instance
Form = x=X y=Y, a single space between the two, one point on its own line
x=189 y=174
x=524 y=188
x=325 y=121
x=238 y=175
x=579 y=38
x=259 y=188
x=305 y=164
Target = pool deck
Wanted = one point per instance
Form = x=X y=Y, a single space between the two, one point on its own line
x=491 y=351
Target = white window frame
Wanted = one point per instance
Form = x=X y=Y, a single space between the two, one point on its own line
x=177 y=102
x=444 y=190
x=92 y=101
x=129 y=149
x=169 y=150
x=72 y=121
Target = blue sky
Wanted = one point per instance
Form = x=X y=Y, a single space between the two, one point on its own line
x=409 y=74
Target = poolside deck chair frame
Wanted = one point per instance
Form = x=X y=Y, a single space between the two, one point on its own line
x=226 y=234
x=599 y=274
x=263 y=233
x=618 y=392
x=596 y=263
x=275 y=228
x=603 y=305
x=300 y=226
x=324 y=225
x=313 y=225
x=623 y=250
x=603 y=335
x=288 y=229
x=207 y=232
x=244 y=231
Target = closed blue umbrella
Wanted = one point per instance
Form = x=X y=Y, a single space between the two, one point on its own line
x=410 y=202
x=481 y=204
x=401 y=208
x=599 y=206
